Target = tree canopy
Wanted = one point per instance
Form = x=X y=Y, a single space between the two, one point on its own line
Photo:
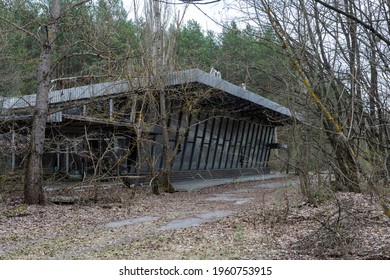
x=99 y=41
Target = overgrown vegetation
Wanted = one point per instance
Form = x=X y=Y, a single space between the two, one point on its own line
x=273 y=223
x=331 y=68
x=107 y=45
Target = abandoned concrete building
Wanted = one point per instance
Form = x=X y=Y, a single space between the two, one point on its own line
x=216 y=129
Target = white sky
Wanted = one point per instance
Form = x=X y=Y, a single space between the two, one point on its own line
x=216 y=11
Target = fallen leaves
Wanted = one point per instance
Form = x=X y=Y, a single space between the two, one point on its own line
x=272 y=223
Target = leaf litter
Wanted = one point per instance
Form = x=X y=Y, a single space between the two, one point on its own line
x=252 y=222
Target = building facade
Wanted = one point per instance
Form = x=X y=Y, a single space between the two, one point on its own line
x=215 y=129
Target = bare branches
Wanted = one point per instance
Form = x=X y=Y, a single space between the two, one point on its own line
x=72 y=7
x=340 y=59
x=357 y=20
x=20 y=28
x=295 y=62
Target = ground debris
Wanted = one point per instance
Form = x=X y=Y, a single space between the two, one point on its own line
x=271 y=223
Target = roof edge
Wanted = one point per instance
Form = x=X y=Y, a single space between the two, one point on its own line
x=171 y=79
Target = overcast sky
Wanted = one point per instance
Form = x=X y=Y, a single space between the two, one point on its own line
x=216 y=11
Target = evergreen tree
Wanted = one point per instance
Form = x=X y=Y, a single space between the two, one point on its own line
x=195 y=49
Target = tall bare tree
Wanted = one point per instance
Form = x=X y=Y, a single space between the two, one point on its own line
x=46 y=38
x=158 y=59
x=33 y=192
x=339 y=51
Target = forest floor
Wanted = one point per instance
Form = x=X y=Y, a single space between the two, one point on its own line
x=236 y=221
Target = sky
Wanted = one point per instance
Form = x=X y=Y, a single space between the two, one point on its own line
x=216 y=11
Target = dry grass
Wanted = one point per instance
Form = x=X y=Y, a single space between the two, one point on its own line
x=271 y=224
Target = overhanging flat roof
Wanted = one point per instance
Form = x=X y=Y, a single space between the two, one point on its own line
x=112 y=89
x=199 y=76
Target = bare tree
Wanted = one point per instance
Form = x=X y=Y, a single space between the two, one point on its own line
x=33 y=191
x=341 y=60
x=158 y=59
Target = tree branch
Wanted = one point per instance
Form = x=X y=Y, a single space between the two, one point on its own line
x=365 y=25
x=20 y=28
x=71 y=7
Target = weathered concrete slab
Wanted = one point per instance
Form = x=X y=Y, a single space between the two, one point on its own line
x=228 y=197
x=137 y=220
x=197 y=220
x=193 y=185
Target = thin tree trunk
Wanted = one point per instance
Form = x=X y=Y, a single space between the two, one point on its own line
x=33 y=191
x=166 y=153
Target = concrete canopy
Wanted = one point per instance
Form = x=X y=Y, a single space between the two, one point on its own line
x=254 y=104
